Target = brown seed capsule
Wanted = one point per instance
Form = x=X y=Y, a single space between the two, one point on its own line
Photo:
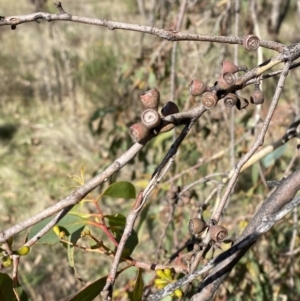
x=175 y=188
x=226 y=80
x=138 y=132
x=171 y=197
x=251 y=42
x=230 y=100
x=171 y=201
x=257 y=96
x=229 y=67
x=217 y=233
x=209 y=100
x=197 y=87
x=150 y=99
x=186 y=197
x=169 y=108
x=172 y=194
x=150 y=118
x=242 y=103
x=232 y=68
x=196 y=226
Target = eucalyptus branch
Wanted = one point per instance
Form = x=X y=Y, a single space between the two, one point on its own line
x=173 y=149
x=276 y=202
x=174 y=49
x=203 y=161
x=78 y=194
x=233 y=176
x=172 y=208
x=217 y=214
x=203 y=180
x=130 y=220
x=73 y=199
x=170 y=35
x=271 y=74
x=280 y=203
x=138 y=205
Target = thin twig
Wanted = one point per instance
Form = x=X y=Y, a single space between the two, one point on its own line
x=174 y=50
x=130 y=220
x=203 y=161
x=164 y=231
x=169 y=35
x=202 y=180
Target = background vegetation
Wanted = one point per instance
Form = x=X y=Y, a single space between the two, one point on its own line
x=69 y=93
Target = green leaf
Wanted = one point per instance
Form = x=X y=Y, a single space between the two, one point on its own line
x=8 y=291
x=22 y=296
x=255 y=174
x=151 y=80
x=270 y=159
x=121 y=190
x=68 y=223
x=117 y=225
x=138 y=287
x=73 y=239
x=90 y=292
x=158 y=141
x=117 y=220
x=6 y=288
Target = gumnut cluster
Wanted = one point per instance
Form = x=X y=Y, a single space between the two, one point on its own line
x=218 y=235
x=151 y=120
x=226 y=82
x=177 y=197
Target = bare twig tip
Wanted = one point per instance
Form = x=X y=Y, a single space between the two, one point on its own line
x=59 y=6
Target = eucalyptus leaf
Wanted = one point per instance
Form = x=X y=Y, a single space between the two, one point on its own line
x=121 y=189
x=69 y=224
x=90 y=292
x=270 y=159
x=138 y=287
